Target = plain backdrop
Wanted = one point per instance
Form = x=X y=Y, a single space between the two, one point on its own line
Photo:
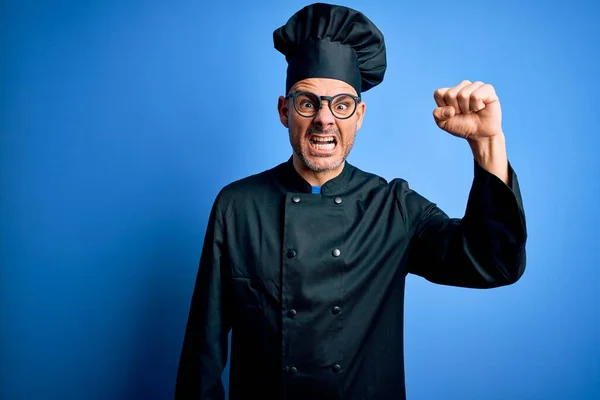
x=121 y=120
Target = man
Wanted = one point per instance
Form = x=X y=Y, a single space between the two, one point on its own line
x=306 y=263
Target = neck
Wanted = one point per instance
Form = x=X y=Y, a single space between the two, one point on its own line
x=315 y=178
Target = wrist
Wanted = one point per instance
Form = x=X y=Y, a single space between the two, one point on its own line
x=490 y=154
x=485 y=147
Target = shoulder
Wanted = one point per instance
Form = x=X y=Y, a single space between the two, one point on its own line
x=365 y=180
x=371 y=181
x=247 y=189
x=249 y=184
x=396 y=189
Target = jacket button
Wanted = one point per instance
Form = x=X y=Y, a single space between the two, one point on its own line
x=296 y=199
x=293 y=370
x=291 y=313
x=336 y=252
x=337 y=200
x=336 y=310
x=291 y=253
x=336 y=368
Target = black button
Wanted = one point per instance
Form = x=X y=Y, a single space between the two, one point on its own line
x=336 y=252
x=336 y=368
x=291 y=253
x=296 y=199
x=336 y=310
x=291 y=313
x=337 y=200
x=293 y=370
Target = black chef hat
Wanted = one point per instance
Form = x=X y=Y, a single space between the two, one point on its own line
x=329 y=41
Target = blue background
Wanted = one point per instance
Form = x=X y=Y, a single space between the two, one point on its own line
x=121 y=120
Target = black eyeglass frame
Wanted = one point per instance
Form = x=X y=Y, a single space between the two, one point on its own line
x=329 y=99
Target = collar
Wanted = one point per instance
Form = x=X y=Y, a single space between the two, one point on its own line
x=294 y=182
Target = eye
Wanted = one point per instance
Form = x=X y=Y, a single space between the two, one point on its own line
x=306 y=104
x=343 y=104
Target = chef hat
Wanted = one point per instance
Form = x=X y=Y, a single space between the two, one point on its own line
x=330 y=41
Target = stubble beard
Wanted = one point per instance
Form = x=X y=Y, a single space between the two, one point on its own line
x=316 y=168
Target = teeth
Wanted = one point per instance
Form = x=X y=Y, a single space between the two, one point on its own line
x=328 y=146
x=322 y=139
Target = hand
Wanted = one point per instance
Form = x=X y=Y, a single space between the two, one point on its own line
x=470 y=110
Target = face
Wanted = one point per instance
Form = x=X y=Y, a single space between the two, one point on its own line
x=320 y=143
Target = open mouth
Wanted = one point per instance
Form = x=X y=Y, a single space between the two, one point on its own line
x=323 y=143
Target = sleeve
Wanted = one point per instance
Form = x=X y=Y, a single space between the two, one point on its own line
x=484 y=249
x=205 y=344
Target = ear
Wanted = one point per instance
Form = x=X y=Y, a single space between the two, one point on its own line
x=360 y=114
x=283 y=110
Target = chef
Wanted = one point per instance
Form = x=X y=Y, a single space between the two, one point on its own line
x=305 y=263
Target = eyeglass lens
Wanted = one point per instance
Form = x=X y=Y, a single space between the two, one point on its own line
x=342 y=105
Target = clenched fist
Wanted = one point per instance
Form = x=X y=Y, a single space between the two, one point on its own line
x=470 y=110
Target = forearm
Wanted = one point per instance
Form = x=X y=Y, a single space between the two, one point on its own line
x=484 y=249
x=205 y=343
x=204 y=351
x=490 y=154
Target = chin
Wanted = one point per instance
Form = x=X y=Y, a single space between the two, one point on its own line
x=322 y=164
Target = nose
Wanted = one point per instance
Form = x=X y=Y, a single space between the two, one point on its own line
x=324 y=117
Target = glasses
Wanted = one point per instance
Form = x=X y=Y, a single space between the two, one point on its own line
x=308 y=104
